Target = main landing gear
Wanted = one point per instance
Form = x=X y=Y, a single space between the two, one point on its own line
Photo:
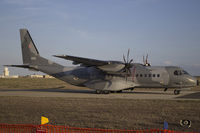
x=102 y=91
x=176 y=92
x=165 y=89
x=107 y=91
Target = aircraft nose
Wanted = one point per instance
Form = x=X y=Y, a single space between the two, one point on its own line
x=192 y=81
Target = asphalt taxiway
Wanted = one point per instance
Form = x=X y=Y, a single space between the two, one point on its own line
x=71 y=93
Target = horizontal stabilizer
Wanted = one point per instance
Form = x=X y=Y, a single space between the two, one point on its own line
x=22 y=66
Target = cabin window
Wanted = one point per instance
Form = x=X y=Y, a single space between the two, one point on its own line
x=148 y=75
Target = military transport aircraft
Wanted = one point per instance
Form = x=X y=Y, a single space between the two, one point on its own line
x=105 y=76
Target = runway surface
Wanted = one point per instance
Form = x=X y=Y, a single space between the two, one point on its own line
x=67 y=93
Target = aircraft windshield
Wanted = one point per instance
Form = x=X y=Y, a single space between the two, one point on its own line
x=180 y=72
x=177 y=72
x=184 y=72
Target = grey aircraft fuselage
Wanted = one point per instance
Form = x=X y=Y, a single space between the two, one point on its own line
x=105 y=76
x=141 y=77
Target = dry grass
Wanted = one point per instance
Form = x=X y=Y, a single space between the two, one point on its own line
x=100 y=113
x=94 y=113
x=33 y=83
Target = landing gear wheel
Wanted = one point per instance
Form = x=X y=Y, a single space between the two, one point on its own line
x=106 y=92
x=176 y=92
x=119 y=91
x=102 y=92
x=98 y=91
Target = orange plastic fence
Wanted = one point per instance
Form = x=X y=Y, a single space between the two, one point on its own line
x=17 y=128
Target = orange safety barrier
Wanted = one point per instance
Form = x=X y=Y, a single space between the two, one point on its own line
x=19 y=128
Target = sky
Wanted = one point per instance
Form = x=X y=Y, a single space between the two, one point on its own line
x=167 y=30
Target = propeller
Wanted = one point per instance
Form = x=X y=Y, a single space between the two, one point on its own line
x=145 y=61
x=127 y=64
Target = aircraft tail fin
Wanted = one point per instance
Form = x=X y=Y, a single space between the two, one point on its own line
x=29 y=50
x=31 y=58
x=33 y=61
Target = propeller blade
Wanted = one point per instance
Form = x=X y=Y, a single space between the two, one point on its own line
x=124 y=59
x=127 y=65
x=130 y=61
x=146 y=58
x=128 y=55
x=143 y=60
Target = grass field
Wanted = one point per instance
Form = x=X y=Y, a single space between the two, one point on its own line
x=93 y=112
x=33 y=83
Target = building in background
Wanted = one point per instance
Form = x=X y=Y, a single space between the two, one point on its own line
x=5 y=72
x=35 y=76
x=47 y=76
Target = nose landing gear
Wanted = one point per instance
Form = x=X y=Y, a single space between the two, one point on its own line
x=102 y=91
x=176 y=92
x=165 y=89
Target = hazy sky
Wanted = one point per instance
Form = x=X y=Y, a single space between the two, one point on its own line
x=168 y=30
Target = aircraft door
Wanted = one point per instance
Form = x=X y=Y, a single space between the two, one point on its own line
x=164 y=78
x=178 y=78
x=161 y=77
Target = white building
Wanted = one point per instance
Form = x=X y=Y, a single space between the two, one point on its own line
x=7 y=75
x=6 y=72
x=40 y=76
x=47 y=76
x=36 y=76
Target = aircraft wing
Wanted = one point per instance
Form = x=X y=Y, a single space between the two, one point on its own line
x=108 y=66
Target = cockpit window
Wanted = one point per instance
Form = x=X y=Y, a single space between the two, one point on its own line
x=180 y=72
x=184 y=72
x=177 y=72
